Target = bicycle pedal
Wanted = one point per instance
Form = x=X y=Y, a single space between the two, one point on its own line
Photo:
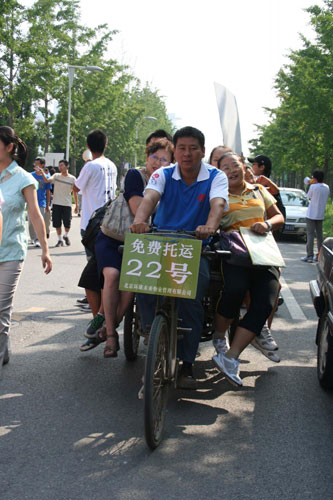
x=184 y=330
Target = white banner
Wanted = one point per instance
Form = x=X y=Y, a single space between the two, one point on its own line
x=228 y=111
x=52 y=159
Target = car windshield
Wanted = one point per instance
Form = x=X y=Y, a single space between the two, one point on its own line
x=294 y=199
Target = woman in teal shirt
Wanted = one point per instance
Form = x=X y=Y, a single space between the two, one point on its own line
x=1 y=202
x=18 y=188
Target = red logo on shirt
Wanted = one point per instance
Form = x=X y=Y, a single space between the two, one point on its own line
x=156 y=175
x=201 y=197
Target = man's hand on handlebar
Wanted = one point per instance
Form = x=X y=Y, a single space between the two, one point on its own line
x=204 y=232
x=139 y=227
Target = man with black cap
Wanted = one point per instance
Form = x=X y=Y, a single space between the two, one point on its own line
x=262 y=167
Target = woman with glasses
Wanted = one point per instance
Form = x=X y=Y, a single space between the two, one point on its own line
x=250 y=205
x=158 y=154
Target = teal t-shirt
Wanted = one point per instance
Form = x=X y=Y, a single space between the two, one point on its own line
x=14 y=238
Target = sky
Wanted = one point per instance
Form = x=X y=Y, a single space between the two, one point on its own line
x=181 y=47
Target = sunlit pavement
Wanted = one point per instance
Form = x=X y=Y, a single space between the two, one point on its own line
x=71 y=425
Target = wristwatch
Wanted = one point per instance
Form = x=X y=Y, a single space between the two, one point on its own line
x=269 y=225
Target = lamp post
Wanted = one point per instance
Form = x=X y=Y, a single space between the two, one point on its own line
x=152 y=118
x=71 y=73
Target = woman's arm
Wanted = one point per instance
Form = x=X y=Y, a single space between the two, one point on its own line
x=134 y=203
x=0 y=225
x=144 y=210
x=274 y=217
x=36 y=218
x=268 y=183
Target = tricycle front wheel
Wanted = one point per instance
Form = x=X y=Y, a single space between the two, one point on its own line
x=156 y=383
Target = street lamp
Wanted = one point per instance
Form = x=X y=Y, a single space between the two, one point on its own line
x=152 y=118
x=71 y=73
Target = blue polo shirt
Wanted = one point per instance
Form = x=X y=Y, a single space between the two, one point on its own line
x=182 y=206
x=42 y=188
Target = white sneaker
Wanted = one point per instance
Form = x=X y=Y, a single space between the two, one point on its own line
x=230 y=368
x=37 y=244
x=271 y=355
x=221 y=345
x=265 y=340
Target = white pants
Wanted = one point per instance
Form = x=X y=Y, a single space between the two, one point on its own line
x=9 y=276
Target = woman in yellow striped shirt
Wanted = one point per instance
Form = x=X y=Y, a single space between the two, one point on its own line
x=250 y=205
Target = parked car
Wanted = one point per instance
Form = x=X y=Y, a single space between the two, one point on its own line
x=296 y=203
x=321 y=291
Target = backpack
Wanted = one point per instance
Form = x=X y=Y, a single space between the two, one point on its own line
x=93 y=227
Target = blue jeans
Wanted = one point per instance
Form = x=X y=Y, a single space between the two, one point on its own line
x=190 y=311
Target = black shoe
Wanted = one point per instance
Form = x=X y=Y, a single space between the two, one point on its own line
x=185 y=379
x=59 y=244
x=66 y=240
x=48 y=235
x=83 y=301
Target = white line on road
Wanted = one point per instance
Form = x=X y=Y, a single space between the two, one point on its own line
x=290 y=301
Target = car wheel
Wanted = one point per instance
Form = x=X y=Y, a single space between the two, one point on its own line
x=325 y=353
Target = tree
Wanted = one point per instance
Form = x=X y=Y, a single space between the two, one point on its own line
x=299 y=135
x=16 y=92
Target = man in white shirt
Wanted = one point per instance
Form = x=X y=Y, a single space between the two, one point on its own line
x=317 y=195
x=97 y=180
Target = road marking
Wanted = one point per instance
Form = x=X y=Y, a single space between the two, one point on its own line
x=21 y=315
x=290 y=301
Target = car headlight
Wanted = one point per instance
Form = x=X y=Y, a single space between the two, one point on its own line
x=302 y=220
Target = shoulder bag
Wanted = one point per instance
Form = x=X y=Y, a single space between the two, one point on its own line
x=118 y=217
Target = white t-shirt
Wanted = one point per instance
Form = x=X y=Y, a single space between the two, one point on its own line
x=63 y=186
x=98 y=183
x=318 y=195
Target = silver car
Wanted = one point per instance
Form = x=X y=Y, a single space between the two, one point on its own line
x=296 y=204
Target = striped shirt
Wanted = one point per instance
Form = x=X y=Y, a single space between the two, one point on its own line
x=247 y=208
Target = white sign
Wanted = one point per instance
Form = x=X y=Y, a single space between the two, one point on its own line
x=52 y=159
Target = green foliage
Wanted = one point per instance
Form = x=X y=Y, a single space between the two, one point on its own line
x=36 y=46
x=328 y=220
x=299 y=135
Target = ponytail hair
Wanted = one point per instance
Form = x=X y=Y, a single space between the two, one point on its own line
x=19 y=152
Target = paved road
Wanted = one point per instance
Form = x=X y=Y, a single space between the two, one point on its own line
x=71 y=425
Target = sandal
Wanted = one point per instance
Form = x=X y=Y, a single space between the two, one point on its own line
x=92 y=343
x=110 y=351
x=89 y=344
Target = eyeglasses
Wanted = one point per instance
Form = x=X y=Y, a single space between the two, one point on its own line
x=163 y=161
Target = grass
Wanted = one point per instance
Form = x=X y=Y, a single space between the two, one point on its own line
x=328 y=221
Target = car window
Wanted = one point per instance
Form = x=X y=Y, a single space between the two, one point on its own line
x=294 y=199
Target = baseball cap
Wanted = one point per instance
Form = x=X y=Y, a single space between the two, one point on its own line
x=261 y=160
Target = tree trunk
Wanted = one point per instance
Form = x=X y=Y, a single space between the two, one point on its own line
x=47 y=126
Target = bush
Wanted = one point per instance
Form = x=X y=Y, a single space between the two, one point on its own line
x=328 y=221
